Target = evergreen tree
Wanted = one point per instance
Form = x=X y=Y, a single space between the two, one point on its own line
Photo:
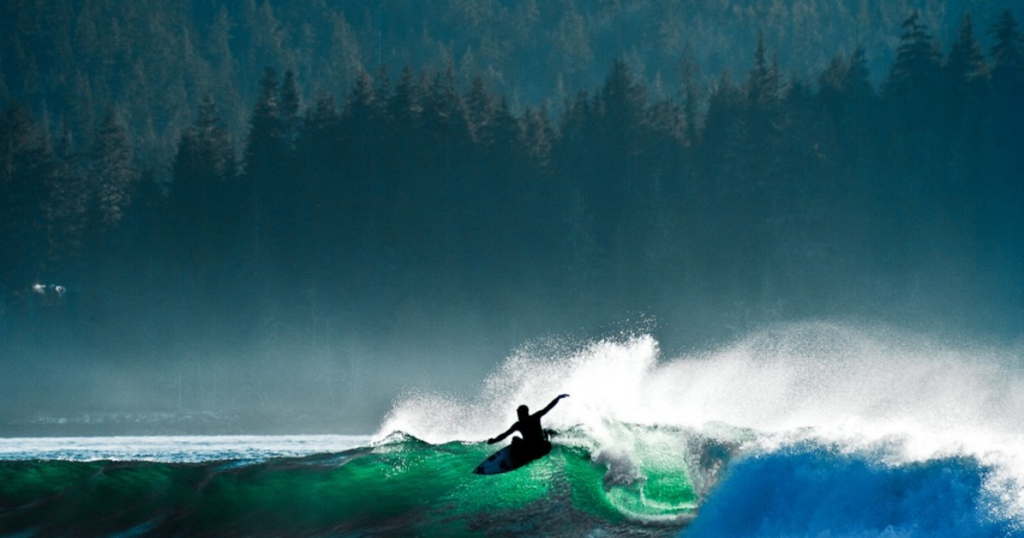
x=1007 y=53
x=1008 y=74
x=721 y=139
x=111 y=172
x=618 y=144
x=480 y=107
x=764 y=82
x=445 y=113
x=290 y=106
x=345 y=58
x=967 y=88
x=688 y=73
x=406 y=101
x=913 y=92
x=265 y=187
x=202 y=191
x=22 y=198
x=328 y=208
x=965 y=67
x=847 y=101
x=915 y=74
x=65 y=209
x=4 y=91
x=368 y=180
x=362 y=109
x=265 y=145
x=764 y=121
x=1005 y=138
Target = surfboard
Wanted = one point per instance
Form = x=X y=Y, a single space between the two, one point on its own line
x=505 y=460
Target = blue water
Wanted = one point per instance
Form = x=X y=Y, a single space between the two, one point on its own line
x=814 y=492
x=806 y=430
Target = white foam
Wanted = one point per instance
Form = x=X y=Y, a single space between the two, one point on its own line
x=903 y=396
x=175 y=449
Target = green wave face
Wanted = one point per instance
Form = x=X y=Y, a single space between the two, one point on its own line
x=404 y=486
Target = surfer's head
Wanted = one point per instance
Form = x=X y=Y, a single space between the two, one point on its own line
x=523 y=411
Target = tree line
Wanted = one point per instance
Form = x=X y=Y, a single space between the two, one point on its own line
x=69 y=60
x=418 y=200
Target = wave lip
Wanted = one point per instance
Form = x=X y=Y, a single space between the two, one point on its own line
x=806 y=430
x=895 y=400
x=399 y=485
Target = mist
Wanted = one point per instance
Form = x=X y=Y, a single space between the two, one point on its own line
x=315 y=212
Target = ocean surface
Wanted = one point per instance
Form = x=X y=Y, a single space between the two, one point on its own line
x=803 y=430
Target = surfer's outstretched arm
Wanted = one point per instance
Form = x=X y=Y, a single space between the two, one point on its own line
x=544 y=411
x=497 y=439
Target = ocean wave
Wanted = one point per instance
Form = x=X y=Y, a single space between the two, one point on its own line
x=808 y=430
x=884 y=410
x=400 y=484
x=810 y=491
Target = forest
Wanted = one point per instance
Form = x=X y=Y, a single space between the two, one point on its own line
x=432 y=209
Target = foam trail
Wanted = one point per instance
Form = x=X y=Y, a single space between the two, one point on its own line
x=901 y=397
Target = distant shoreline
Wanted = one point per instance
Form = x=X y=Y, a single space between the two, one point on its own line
x=185 y=423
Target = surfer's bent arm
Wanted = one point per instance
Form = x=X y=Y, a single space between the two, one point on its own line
x=497 y=439
x=544 y=411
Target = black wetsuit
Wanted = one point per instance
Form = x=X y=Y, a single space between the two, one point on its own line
x=534 y=442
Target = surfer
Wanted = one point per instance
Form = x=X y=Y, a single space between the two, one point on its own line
x=533 y=442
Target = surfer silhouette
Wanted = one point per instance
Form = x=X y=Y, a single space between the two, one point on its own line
x=533 y=442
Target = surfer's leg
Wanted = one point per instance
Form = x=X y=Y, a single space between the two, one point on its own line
x=518 y=446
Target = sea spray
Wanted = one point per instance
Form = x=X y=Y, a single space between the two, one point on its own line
x=810 y=429
x=890 y=398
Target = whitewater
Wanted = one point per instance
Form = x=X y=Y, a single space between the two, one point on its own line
x=811 y=429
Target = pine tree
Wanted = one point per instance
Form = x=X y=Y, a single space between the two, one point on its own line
x=345 y=59
x=362 y=110
x=967 y=83
x=111 y=172
x=480 y=107
x=64 y=211
x=4 y=91
x=723 y=126
x=1008 y=51
x=265 y=180
x=764 y=120
x=914 y=94
x=327 y=206
x=764 y=82
x=916 y=70
x=965 y=67
x=848 y=103
x=1008 y=70
x=445 y=111
x=290 y=106
x=202 y=190
x=265 y=144
x=690 y=93
x=22 y=198
x=618 y=145
x=1006 y=136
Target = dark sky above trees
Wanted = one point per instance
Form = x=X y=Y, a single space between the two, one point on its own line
x=225 y=206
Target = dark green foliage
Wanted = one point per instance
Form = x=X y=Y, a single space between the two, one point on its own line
x=158 y=60
x=426 y=203
x=24 y=170
x=204 y=183
x=110 y=178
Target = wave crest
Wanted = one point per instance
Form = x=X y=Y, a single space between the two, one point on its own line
x=901 y=398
